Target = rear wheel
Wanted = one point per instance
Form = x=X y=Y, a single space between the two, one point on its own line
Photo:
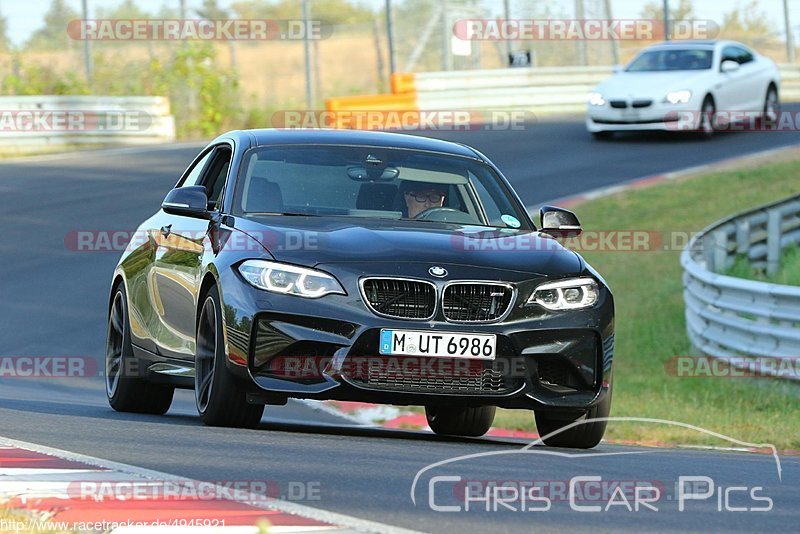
x=219 y=399
x=126 y=390
x=460 y=420
x=583 y=436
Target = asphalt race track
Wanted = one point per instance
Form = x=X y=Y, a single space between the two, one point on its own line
x=53 y=304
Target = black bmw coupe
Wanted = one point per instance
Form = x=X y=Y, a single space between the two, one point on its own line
x=365 y=266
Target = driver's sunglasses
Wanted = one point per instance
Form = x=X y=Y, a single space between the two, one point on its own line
x=433 y=198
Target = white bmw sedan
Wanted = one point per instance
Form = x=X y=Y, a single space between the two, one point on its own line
x=685 y=85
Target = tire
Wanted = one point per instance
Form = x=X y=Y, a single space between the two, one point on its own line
x=583 y=436
x=708 y=113
x=219 y=399
x=126 y=391
x=772 y=108
x=603 y=136
x=460 y=420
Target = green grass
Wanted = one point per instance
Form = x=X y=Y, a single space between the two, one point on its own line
x=788 y=274
x=650 y=325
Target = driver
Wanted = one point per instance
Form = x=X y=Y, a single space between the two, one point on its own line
x=421 y=196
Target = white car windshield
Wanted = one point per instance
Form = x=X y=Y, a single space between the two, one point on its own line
x=670 y=59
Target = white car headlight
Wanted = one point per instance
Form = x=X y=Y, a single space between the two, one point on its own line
x=596 y=99
x=572 y=294
x=678 y=97
x=289 y=279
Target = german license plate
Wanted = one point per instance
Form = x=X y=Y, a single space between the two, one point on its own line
x=438 y=344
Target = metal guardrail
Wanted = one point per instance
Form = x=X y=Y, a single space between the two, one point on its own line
x=40 y=123
x=541 y=90
x=735 y=319
x=545 y=89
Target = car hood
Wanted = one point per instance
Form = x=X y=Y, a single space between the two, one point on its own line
x=312 y=241
x=653 y=85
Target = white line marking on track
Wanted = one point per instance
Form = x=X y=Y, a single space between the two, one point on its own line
x=257 y=501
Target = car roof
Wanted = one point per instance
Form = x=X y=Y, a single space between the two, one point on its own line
x=696 y=43
x=315 y=136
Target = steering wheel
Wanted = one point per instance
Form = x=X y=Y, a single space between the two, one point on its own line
x=445 y=215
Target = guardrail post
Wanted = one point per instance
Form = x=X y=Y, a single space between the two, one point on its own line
x=774 y=217
x=742 y=236
x=720 y=250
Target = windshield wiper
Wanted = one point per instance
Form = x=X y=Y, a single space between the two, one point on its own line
x=283 y=213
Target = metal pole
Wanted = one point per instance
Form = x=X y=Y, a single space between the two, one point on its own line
x=506 y=16
x=307 y=57
x=87 y=48
x=613 y=42
x=446 y=35
x=390 y=35
x=666 y=20
x=790 y=53
x=183 y=9
x=580 y=15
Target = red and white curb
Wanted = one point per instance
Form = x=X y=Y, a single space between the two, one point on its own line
x=46 y=484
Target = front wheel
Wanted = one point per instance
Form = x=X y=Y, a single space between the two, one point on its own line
x=708 y=117
x=127 y=390
x=772 y=108
x=603 y=136
x=460 y=420
x=219 y=399
x=582 y=436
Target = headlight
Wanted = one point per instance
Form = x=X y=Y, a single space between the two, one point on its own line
x=572 y=294
x=596 y=99
x=678 y=97
x=289 y=279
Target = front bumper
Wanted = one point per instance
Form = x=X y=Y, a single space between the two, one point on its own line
x=657 y=116
x=289 y=347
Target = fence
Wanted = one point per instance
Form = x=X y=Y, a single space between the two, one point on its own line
x=541 y=90
x=731 y=318
x=42 y=123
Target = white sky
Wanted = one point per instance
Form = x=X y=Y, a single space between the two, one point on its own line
x=24 y=16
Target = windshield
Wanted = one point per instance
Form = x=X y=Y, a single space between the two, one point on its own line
x=666 y=60
x=373 y=182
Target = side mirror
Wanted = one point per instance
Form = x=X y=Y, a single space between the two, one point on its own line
x=190 y=201
x=559 y=221
x=729 y=66
x=616 y=69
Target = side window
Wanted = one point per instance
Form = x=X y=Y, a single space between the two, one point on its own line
x=729 y=54
x=745 y=56
x=194 y=174
x=214 y=177
x=737 y=54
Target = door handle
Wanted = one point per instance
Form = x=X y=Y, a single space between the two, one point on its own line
x=166 y=230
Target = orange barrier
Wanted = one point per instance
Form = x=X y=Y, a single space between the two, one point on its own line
x=403 y=82
x=369 y=112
